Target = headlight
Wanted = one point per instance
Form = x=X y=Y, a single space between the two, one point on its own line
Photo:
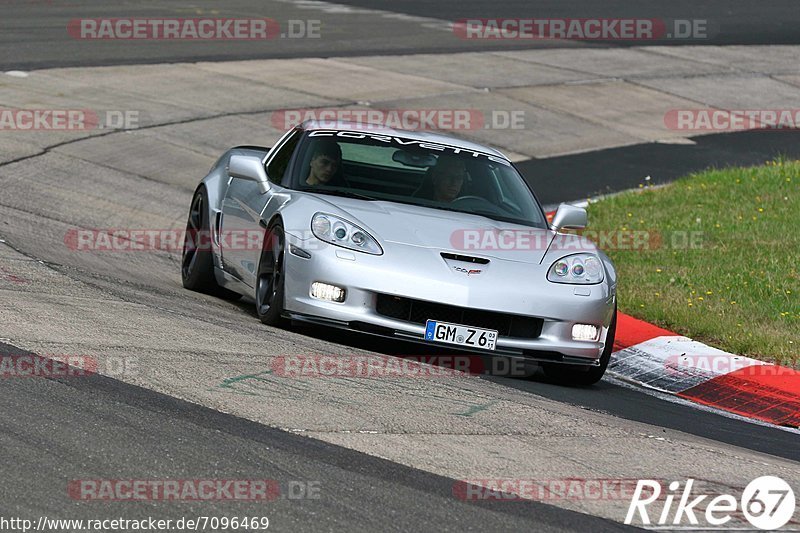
x=338 y=231
x=577 y=268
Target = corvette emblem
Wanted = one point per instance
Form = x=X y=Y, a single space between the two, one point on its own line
x=468 y=272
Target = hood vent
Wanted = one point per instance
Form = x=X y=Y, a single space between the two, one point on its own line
x=465 y=258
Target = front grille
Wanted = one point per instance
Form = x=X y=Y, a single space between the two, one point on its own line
x=418 y=311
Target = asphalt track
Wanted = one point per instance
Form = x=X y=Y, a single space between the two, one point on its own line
x=113 y=430
x=737 y=21
x=33 y=33
x=611 y=170
x=164 y=422
x=132 y=305
x=611 y=397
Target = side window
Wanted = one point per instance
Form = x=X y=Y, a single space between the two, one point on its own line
x=280 y=161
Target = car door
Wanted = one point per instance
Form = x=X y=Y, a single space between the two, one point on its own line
x=241 y=234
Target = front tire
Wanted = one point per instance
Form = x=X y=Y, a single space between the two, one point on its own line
x=197 y=262
x=270 y=278
x=580 y=375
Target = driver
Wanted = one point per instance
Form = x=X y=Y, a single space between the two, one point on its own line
x=448 y=176
x=325 y=162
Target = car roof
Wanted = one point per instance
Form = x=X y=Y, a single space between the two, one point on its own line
x=438 y=138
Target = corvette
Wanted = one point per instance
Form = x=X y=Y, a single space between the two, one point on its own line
x=378 y=230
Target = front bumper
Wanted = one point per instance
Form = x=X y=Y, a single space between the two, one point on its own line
x=417 y=273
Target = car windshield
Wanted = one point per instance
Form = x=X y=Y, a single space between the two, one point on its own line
x=377 y=166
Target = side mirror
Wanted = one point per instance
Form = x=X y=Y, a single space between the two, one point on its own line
x=569 y=216
x=248 y=167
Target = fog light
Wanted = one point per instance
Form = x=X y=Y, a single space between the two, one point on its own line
x=584 y=332
x=323 y=291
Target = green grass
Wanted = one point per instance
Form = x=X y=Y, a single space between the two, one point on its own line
x=739 y=290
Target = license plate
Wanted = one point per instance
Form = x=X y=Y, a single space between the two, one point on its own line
x=461 y=335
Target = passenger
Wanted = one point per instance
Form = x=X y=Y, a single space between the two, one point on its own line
x=448 y=176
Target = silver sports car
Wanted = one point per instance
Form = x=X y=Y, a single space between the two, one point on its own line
x=411 y=235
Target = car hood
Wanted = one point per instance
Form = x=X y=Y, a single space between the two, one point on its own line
x=446 y=231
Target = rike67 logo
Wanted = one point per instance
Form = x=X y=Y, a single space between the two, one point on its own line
x=767 y=503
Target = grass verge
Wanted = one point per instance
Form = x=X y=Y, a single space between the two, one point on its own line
x=722 y=261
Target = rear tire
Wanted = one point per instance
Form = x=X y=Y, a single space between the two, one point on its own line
x=584 y=375
x=197 y=261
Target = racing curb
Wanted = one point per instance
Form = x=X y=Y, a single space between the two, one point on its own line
x=662 y=360
x=665 y=361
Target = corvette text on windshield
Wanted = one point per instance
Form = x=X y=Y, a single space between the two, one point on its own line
x=390 y=139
